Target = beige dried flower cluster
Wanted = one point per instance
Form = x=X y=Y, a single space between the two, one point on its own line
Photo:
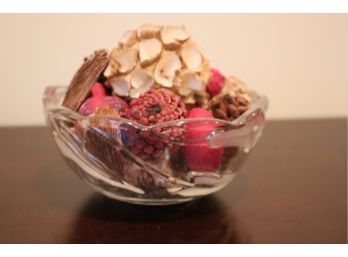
x=157 y=56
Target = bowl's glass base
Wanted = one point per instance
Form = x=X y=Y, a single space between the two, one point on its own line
x=142 y=201
x=120 y=190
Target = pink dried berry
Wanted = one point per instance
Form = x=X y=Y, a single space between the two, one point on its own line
x=215 y=83
x=91 y=104
x=200 y=157
x=98 y=90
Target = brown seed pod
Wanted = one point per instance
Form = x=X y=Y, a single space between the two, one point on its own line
x=228 y=107
x=100 y=140
x=85 y=77
x=233 y=100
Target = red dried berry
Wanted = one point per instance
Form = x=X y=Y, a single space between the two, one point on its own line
x=153 y=107
x=156 y=106
x=215 y=83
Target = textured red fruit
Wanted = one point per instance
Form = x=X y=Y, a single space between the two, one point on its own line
x=91 y=104
x=215 y=83
x=153 y=107
x=156 y=106
x=201 y=157
x=98 y=90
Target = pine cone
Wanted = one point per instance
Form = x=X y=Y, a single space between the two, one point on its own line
x=153 y=107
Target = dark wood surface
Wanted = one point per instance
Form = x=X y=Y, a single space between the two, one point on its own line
x=292 y=189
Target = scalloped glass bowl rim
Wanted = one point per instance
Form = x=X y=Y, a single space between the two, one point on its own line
x=260 y=102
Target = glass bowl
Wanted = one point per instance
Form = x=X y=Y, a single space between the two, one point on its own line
x=189 y=158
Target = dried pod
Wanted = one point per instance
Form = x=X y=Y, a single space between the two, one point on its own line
x=120 y=86
x=192 y=57
x=173 y=37
x=166 y=69
x=187 y=83
x=148 y=31
x=136 y=92
x=140 y=78
x=149 y=51
x=127 y=60
x=85 y=77
x=128 y=38
x=157 y=56
x=100 y=140
x=197 y=99
x=228 y=106
x=113 y=66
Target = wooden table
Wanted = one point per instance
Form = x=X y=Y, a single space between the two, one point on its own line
x=292 y=189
